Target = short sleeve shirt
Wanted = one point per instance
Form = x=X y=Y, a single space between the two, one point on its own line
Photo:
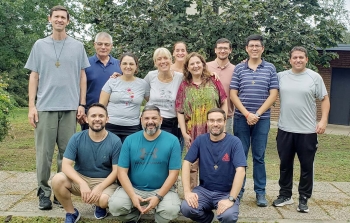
x=298 y=95
x=93 y=159
x=59 y=86
x=163 y=95
x=125 y=100
x=254 y=86
x=227 y=154
x=149 y=162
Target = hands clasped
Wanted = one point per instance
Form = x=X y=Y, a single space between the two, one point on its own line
x=137 y=201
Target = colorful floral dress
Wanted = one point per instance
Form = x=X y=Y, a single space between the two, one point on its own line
x=194 y=101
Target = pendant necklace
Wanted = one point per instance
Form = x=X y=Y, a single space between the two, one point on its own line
x=215 y=158
x=57 y=64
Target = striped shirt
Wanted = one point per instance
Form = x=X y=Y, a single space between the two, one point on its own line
x=254 y=86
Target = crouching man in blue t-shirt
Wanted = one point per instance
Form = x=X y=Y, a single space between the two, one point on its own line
x=148 y=167
x=221 y=173
x=95 y=154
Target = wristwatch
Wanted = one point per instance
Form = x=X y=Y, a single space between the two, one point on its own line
x=257 y=114
x=159 y=197
x=230 y=198
x=84 y=106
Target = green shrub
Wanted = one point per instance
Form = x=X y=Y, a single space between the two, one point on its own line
x=6 y=106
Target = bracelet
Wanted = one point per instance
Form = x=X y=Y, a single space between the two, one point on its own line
x=247 y=115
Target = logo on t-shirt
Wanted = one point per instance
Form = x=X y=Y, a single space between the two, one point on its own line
x=144 y=153
x=226 y=158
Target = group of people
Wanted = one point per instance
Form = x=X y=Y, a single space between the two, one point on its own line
x=130 y=163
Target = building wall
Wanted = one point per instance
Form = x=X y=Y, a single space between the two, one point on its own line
x=342 y=62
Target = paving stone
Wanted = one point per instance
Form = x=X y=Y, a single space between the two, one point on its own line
x=337 y=199
x=6 y=201
x=31 y=205
x=330 y=202
x=22 y=177
x=249 y=209
x=11 y=188
x=343 y=186
x=325 y=187
x=316 y=212
x=339 y=213
x=4 y=175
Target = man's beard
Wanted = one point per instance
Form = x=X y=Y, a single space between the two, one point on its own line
x=96 y=129
x=221 y=130
x=153 y=131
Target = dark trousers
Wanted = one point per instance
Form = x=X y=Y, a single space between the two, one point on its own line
x=305 y=146
x=122 y=131
x=207 y=201
x=170 y=125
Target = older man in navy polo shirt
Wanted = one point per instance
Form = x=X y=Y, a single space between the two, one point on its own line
x=254 y=88
x=103 y=66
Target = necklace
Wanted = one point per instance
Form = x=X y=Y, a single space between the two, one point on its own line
x=215 y=157
x=57 y=64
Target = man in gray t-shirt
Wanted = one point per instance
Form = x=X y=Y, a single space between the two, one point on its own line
x=57 y=91
x=299 y=88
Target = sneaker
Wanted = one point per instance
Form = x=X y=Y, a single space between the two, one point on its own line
x=302 y=207
x=282 y=200
x=44 y=202
x=72 y=218
x=261 y=200
x=100 y=213
x=55 y=201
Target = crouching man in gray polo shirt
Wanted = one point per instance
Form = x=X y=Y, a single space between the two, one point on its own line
x=297 y=126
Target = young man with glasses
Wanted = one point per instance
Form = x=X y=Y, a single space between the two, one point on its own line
x=254 y=88
x=103 y=66
x=221 y=172
x=222 y=66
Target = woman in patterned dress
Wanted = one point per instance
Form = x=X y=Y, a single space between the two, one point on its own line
x=198 y=93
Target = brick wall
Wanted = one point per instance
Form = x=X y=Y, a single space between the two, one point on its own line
x=342 y=62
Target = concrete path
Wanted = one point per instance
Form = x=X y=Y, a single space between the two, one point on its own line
x=330 y=202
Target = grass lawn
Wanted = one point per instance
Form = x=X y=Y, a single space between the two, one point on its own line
x=17 y=153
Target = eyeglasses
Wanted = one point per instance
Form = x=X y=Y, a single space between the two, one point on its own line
x=219 y=121
x=101 y=44
x=223 y=48
x=254 y=46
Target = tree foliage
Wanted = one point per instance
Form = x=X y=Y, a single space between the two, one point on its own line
x=142 y=26
x=338 y=11
x=22 y=22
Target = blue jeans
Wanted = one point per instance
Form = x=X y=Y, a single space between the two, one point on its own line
x=207 y=201
x=256 y=136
